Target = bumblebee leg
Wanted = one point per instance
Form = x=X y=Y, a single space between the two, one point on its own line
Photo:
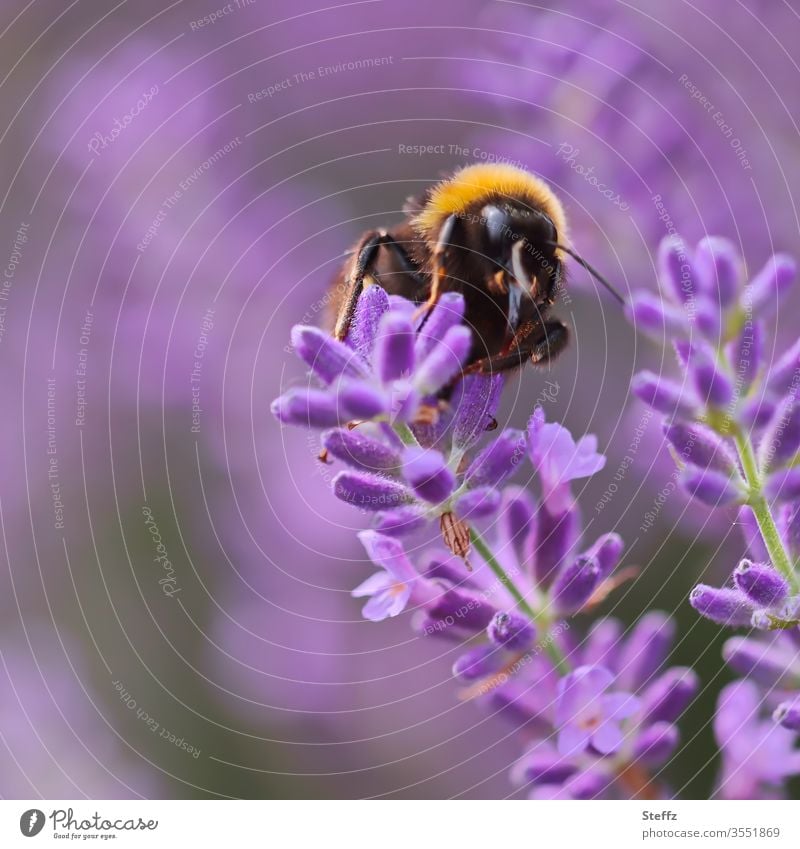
x=366 y=256
x=539 y=343
x=438 y=266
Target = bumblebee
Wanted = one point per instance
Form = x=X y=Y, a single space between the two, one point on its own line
x=496 y=234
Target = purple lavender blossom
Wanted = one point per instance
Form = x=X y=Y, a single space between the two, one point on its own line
x=757 y=755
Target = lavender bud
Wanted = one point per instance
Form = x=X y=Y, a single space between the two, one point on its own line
x=325 y=356
x=475 y=402
x=756 y=413
x=746 y=354
x=763 y=293
x=444 y=361
x=512 y=632
x=669 y=695
x=645 y=650
x=762 y=584
x=394 y=347
x=606 y=551
x=662 y=394
x=675 y=269
x=466 y=610
x=546 y=766
x=712 y=488
x=400 y=521
x=589 y=784
x=497 y=461
x=554 y=540
x=371 y=306
x=427 y=472
x=477 y=503
x=787 y=714
x=370 y=492
x=754 y=659
x=306 y=407
x=723 y=606
x=708 y=318
x=446 y=313
x=655 y=316
x=359 y=400
x=781 y=440
x=718 y=268
x=783 y=486
x=479 y=662
x=602 y=643
x=700 y=446
x=575 y=584
x=655 y=745
x=792 y=529
x=785 y=373
x=712 y=385
x=361 y=452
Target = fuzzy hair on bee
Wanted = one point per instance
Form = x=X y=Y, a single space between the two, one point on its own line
x=494 y=233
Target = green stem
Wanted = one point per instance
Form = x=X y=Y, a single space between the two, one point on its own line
x=541 y=621
x=405 y=433
x=766 y=522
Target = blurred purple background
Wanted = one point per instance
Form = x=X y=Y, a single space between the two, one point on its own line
x=179 y=183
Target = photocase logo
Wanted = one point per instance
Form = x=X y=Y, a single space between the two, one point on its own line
x=31 y=822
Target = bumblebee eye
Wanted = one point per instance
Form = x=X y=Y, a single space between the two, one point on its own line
x=496 y=224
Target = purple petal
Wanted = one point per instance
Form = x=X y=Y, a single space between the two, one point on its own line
x=511 y=631
x=477 y=503
x=764 y=291
x=785 y=373
x=475 y=402
x=723 y=606
x=544 y=765
x=781 y=439
x=713 y=386
x=555 y=539
x=712 y=488
x=445 y=361
x=579 y=689
x=602 y=643
x=662 y=394
x=784 y=486
x=700 y=446
x=372 y=304
x=360 y=400
x=325 y=356
x=765 y=663
x=606 y=552
x=573 y=740
x=389 y=554
x=468 y=610
x=388 y=602
x=574 y=585
x=370 y=492
x=645 y=649
x=374 y=584
x=607 y=738
x=655 y=745
x=426 y=471
x=761 y=583
x=497 y=461
x=746 y=354
x=708 y=318
x=308 y=408
x=669 y=695
x=448 y=312
x=400 y=521
x=360 y=451
x=479 y=662
x=718 y=268
x=675 y=269
x=652 y=315
x=393 y=355
x=787 y=714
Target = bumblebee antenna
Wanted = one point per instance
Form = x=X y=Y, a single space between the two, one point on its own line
x=593 y=271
